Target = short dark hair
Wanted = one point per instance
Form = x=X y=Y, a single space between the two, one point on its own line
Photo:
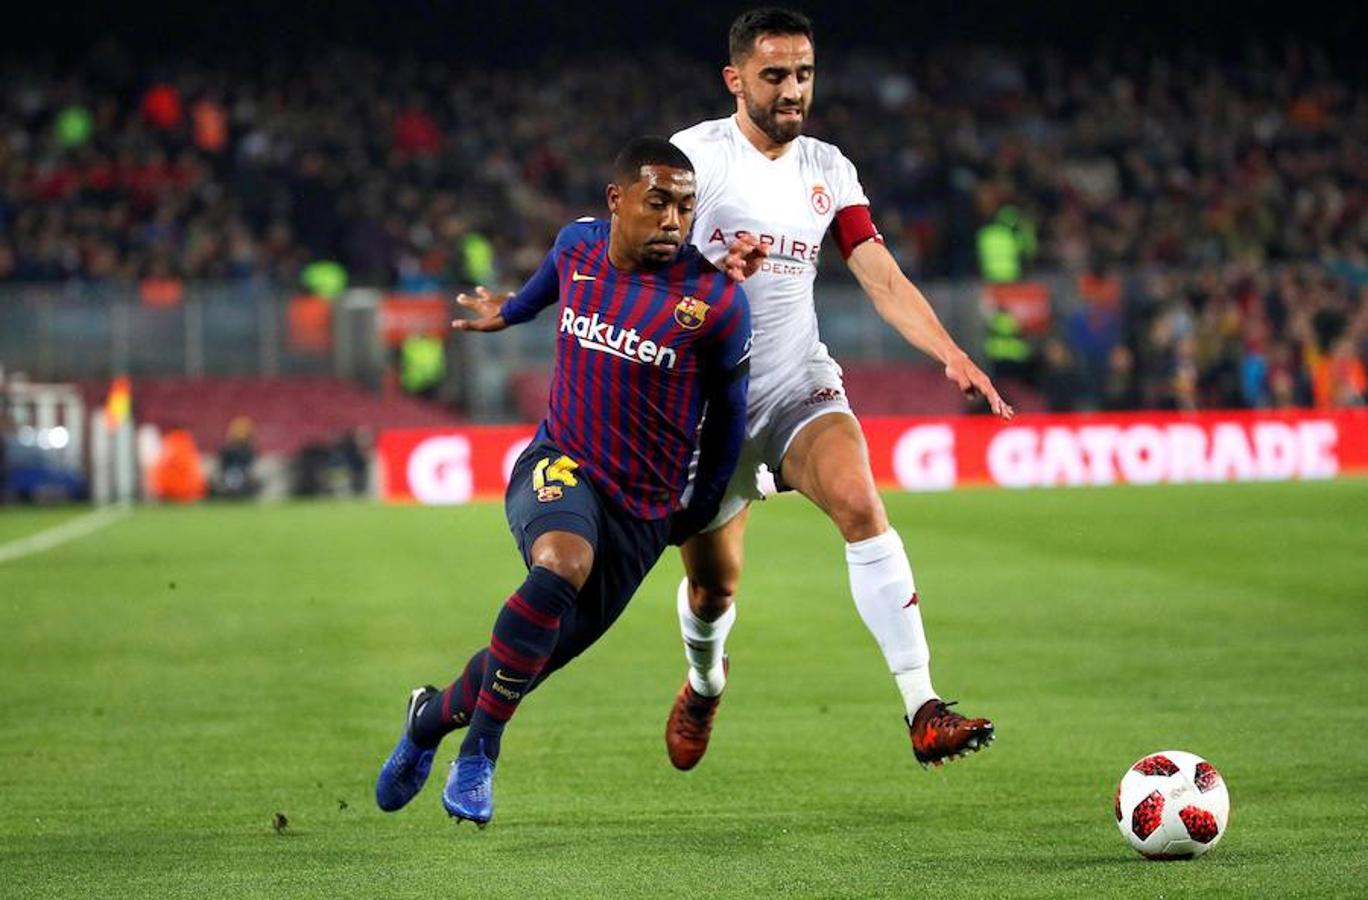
x=766 y=20
x=647 y=150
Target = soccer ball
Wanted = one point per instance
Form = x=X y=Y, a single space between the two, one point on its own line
x=1172 y=805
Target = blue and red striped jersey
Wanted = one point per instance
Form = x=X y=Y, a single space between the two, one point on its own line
x=636 y=356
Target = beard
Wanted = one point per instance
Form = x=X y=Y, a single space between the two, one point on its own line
x=767 y=120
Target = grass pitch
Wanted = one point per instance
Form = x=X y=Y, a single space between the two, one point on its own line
x=176 y=680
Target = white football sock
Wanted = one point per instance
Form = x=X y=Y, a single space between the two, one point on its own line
x=881 y=582
x=703 y=644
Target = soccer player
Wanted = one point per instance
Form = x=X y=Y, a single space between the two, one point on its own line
x=650 y=336
x=759 y=177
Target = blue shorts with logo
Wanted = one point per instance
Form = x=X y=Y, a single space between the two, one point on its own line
x=548 y=492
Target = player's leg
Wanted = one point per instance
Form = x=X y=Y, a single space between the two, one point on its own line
x=705 y=602
x=524 y=636
x=554 y=516
x=406 y=769
x=827 y=460
x=452 y=707
x=521 y=659
x=487 y=693
x=525 y=633
x=629 y=548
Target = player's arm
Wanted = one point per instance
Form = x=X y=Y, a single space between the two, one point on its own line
x=724 y=428
x=901 y=305
x=495 y=312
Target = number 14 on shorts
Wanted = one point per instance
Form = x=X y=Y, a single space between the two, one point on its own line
x=548 y=476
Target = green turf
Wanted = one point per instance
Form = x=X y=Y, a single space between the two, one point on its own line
x=21 y=522
x=172 y=682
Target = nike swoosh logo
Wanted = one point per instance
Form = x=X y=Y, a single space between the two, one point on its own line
x=576 y=276
x=499 y=674
x=911 y=602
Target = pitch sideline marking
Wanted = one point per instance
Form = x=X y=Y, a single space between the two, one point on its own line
x=79 y=527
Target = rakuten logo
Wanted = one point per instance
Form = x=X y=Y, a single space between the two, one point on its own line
x=1148 y=454
x=595 y=334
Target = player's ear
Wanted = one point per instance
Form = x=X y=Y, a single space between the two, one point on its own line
x=731 y=77
x=614 y=196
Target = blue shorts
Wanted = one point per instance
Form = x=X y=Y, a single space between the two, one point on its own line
x=547 y=492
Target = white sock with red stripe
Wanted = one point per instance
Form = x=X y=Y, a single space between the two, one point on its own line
x=886 y=596
x=704 y=644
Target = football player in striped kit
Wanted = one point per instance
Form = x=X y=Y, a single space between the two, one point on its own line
x=649 y=335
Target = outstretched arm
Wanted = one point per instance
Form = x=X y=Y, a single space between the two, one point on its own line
x=495 y=312
x=901 y=305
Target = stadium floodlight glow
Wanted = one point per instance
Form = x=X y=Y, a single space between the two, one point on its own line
x=58 y=437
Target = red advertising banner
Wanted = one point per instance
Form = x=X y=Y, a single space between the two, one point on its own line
x=1118 y=448
x=448 y=465
x=461 y=464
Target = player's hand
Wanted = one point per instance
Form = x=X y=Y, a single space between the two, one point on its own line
x=486 y=308
x=970 y=379
x=744 y=257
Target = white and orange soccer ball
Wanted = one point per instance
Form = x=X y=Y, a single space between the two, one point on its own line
x=1172 y=805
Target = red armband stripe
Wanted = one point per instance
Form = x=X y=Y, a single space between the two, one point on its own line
x=852 y=227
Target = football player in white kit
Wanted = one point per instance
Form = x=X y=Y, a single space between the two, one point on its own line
x=759 y=178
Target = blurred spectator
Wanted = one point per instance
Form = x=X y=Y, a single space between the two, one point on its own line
x=1183 y=375
x=1060 y=380
x=1286 y=387
x=210 y=123
x=333 y=470
x=324 y=278
x=1255 y=374
x=236 y=461
x=161 y=106
x=1119 y=389
x=422 y=364
x=1094 y=331
x=1009 y=353
x=354 y=450
x=474 y=260
x=177 y=475
x=415 y=133
x=1337 y=377
x=73 y=126
x=1005 y=245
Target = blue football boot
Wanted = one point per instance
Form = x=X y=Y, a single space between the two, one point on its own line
x=469 y=792
x=404 y=773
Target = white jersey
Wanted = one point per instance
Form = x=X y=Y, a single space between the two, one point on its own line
x=787 y=203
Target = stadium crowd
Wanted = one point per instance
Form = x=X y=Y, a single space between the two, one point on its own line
x=1220 y=336
x=1240 y=183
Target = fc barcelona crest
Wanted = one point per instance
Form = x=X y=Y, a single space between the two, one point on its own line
x=690 y=312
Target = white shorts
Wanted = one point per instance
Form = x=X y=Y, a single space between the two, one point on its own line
x=777 y=410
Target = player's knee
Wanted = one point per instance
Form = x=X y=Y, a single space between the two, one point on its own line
x=569 y=561
x=711 y=598
x=857 y=511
